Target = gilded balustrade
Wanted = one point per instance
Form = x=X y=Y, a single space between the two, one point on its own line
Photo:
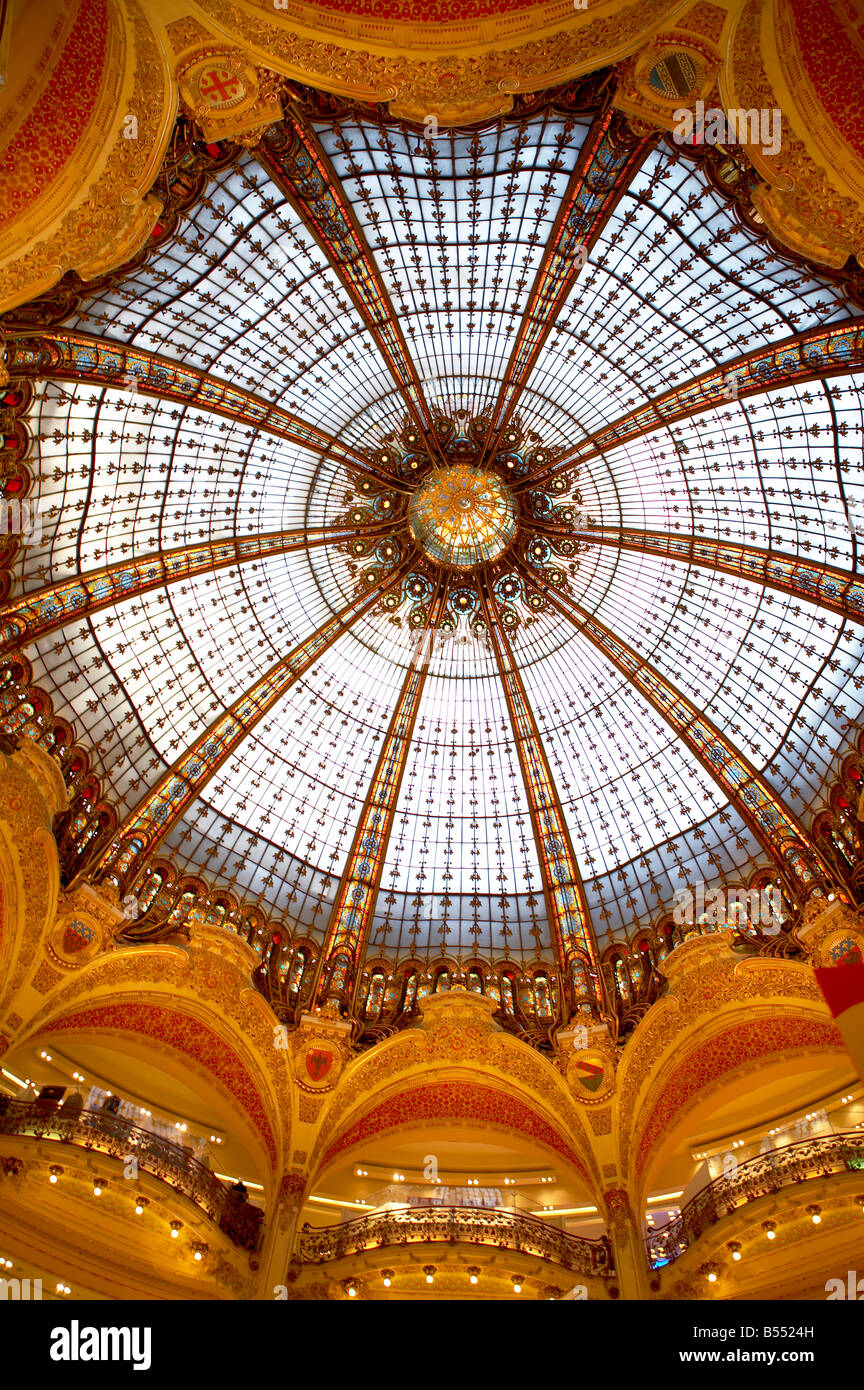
x=504 y=1230
x=117 y=1137
x=759 y=1177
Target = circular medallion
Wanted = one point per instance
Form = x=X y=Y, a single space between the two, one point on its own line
x=463 y=517
x=218 y=87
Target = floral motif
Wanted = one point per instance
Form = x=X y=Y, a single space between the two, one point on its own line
x=453 y=1101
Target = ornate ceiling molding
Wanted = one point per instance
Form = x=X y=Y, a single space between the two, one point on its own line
x=812 y=191
x=92 y=206
x=463 y=70
x=436 y=66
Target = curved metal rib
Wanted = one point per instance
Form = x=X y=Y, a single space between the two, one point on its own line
x=809 y=356
x=155 y=816
x=769 y=818
x=34 y=614
x=293 y=158
x=606 y=165
x=566 y=904
x=827 y=587
x=62 y=355
x=351 y=918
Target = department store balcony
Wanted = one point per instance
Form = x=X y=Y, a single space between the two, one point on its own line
x=810 y=1189
x=118 y=1138
x=414 y=1234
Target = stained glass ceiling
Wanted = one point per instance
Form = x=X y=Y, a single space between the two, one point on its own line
x=458 y=228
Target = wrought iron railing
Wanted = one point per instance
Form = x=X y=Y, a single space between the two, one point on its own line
x=118 y=1137
x=758 y=1177
x=457 y=1225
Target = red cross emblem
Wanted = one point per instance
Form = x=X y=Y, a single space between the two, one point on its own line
x=318 y=1062
x=223 y=86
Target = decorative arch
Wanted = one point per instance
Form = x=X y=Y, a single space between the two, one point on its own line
x=730 y=1053
x=452 y=1100
x=482 y=1074
x=724 y=1017
x=195 y=1006
x=182 y=1030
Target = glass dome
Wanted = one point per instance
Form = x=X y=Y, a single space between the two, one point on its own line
x=637 y=511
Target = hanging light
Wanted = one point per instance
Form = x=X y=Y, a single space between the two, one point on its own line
x=430 y=1272
x=387 y=1277
x=770 y=1229
x=473 y=1274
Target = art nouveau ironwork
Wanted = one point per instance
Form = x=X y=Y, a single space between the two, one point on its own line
x=526 y=399
x=114 y=1135
x=758 y=1177
x=505 y=1230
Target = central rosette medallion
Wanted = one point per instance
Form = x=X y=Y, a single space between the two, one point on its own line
x=463 y=516
x=495 y=514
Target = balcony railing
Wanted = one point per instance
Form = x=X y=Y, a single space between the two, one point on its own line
x=506 y=1230
x=118 y=1137
x=758 y=1177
